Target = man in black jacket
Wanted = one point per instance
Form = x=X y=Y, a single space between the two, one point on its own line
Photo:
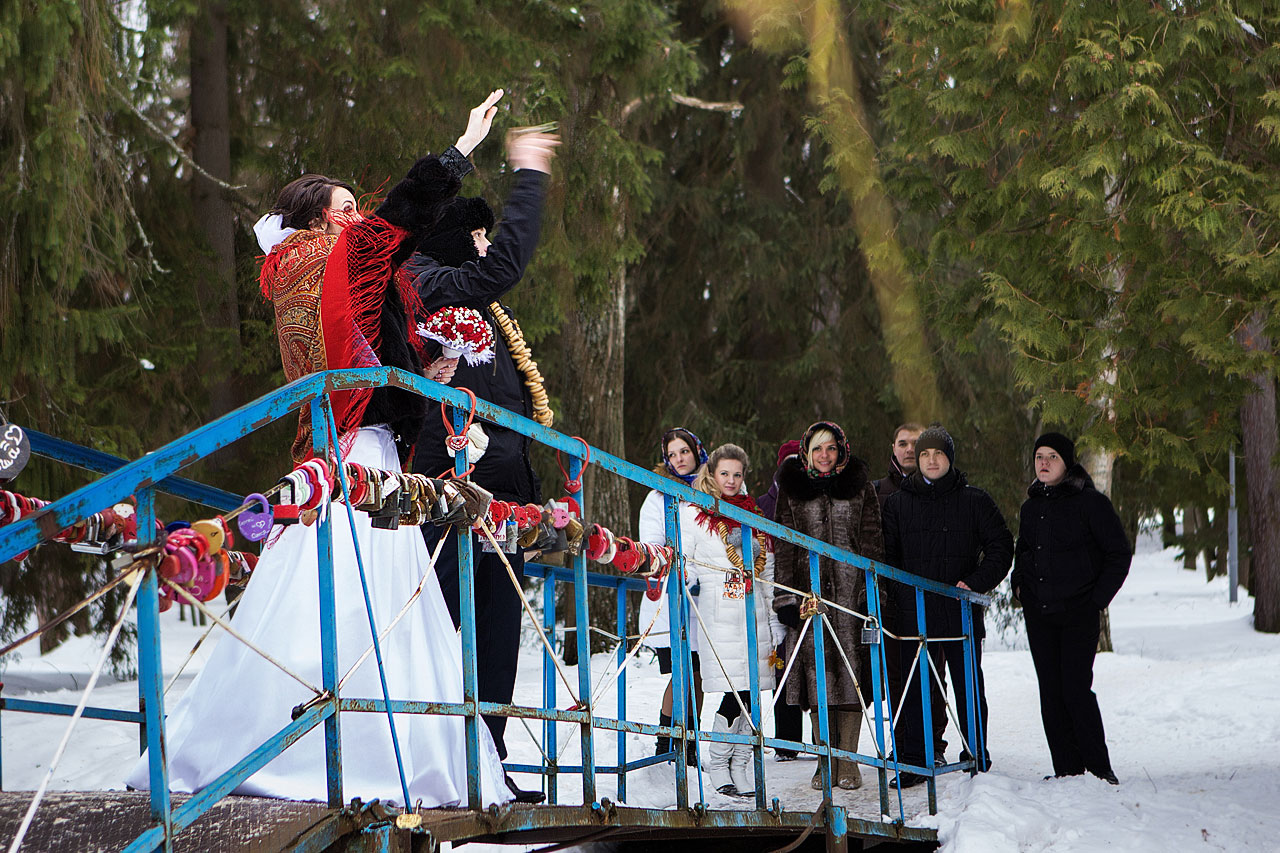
x=457 y=265
x=1073 y=554
x=941 y=528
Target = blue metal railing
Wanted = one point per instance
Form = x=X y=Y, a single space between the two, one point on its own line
x=157 y=470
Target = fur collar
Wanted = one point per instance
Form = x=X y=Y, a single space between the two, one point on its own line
x=1075 y=482
x=798 y=485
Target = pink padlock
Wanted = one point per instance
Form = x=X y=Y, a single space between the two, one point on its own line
x=205 y=578
x=186 y=565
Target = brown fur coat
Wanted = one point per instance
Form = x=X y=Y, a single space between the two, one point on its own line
x=844 y=512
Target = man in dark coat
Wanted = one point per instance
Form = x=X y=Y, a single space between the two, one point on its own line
x=457 y=265
x=902 y=464
x=941 y=528
x=1072 y=557
x=902 y=460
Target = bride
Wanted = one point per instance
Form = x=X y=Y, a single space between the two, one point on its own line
x=330 y=273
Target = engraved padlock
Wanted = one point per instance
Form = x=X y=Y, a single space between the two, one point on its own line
x=255 y=526
x=212 y=531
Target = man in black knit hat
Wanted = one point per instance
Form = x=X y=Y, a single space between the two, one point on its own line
x=941 y=528
x=456 y=264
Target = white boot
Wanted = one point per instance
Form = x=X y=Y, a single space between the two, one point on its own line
x=740 y=763
x=719 y=756
x=848 y=775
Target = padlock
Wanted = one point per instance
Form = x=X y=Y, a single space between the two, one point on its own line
x=511 y=545
x=212 y=531
x=168 y=567
x=255 y=526
x=388 y=517
x=285 y=513
x=205 y=576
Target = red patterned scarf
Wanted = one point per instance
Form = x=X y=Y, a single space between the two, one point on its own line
x=291 y=278
x=356 y=279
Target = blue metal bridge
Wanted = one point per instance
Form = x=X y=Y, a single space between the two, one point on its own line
x=159 y=820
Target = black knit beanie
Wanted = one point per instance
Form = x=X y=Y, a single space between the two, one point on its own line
x=936 y=438
x=449 y=241
x=1065 y=447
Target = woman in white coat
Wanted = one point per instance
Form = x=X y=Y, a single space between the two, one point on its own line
x=682 y=455
x=712 y=549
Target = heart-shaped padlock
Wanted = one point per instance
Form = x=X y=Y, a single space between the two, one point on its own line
x=255 y=526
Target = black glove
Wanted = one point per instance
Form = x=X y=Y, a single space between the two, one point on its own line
x=789 y=615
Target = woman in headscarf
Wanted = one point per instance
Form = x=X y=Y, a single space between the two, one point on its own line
x=714 y=560
x=681 y=456
x=341 y=305
x=826 y=492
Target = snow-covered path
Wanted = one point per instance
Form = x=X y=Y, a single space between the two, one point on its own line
x=1191 y=700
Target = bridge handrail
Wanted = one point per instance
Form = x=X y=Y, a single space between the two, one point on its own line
x=164 y=462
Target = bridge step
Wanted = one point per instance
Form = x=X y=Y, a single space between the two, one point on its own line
x=104 y=821
x=109 y=820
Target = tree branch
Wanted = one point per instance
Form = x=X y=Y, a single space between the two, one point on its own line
x=687 y=101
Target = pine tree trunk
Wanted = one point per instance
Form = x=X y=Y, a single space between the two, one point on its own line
x=1168 y=528
x=1258 y=428
x=1190 y=527
x=219 y=347
x=593 y=339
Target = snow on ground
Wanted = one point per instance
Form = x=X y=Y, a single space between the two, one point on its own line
x=1191 y=700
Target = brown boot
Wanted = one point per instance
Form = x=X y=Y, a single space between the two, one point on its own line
x=848 y=776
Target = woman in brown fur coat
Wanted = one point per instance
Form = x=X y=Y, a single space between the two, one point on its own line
x=826 y=492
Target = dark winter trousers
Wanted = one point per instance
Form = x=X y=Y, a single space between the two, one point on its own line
x=1063 y=646
x=497 y=620
x=896 y=673
x=947 y=657
x=787 y=719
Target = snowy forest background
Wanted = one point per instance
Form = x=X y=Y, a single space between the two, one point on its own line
x=1005 y=216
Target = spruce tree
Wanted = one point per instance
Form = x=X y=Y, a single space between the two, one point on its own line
x=1104 y=174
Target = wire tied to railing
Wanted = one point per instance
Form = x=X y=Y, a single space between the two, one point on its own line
x=226 y=626
x=511 y=573
x=134 y=567
x=134 y=585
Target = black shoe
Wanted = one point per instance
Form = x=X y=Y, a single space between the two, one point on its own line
x=786 y=754
x=1064 y=775
x=965 y=756
x=1107 y=776
x=906 y=780
x=521 y=795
